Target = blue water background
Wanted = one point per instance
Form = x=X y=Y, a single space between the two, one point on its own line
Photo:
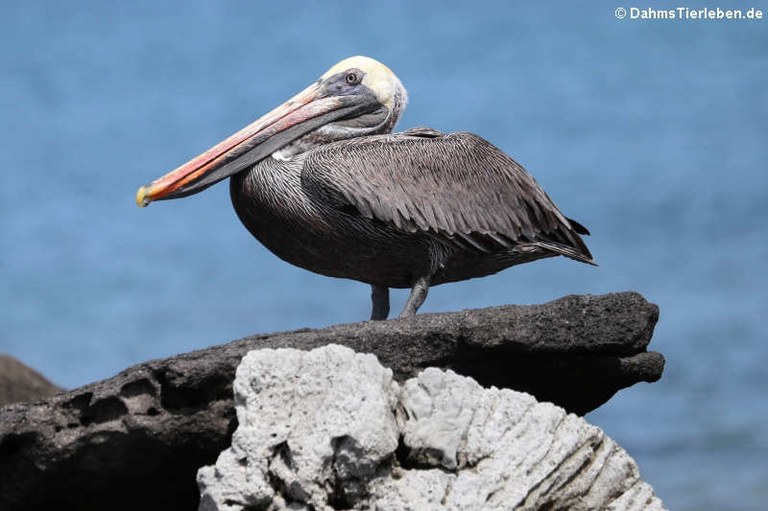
x=653 y=134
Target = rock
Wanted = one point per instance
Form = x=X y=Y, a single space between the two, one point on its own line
x=319 y=430
x=504 y=450
x=19 y=382
x=147 y=430
x=317 y=425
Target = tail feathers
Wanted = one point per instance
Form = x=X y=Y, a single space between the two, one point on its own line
x=576 y=226
x=565 y=250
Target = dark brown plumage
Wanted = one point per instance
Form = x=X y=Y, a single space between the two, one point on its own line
x=407 y=210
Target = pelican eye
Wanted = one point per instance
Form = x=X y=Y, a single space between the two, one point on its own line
x=352 y=78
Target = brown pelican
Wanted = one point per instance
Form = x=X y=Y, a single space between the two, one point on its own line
x=325 y=185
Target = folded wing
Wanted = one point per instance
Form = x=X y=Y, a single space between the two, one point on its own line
x=456 y=186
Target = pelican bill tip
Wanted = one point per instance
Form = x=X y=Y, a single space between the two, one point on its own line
x=141 y=197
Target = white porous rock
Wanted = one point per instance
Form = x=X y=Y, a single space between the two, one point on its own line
x=501 y=449
x=330 y=429
x=313 y=427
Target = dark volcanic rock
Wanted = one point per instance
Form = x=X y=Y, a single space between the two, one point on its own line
x=135 y=441
x=18 y=382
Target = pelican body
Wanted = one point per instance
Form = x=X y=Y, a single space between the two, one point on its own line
x=325 y=185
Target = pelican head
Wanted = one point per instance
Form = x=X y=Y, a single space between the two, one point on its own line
x=359 y=96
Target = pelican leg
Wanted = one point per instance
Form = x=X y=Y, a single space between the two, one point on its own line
x=380 y=299
x=418 y=295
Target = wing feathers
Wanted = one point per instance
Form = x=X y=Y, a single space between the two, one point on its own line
x=457 y=186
